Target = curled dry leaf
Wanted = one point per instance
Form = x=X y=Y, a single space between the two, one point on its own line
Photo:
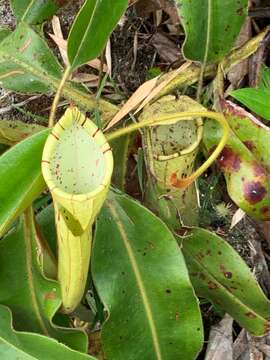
x=144 y=94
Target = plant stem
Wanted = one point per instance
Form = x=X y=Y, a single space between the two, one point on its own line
x=200 y=83
x=174 y=118
x=58 y=96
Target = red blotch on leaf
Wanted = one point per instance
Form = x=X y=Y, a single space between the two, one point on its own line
x=250 y=144
x=259 y=170
x=229 y=160
x=254 y=192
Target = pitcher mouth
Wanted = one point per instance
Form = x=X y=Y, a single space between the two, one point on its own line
x=77 y=160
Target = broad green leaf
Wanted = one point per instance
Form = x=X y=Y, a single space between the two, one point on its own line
x=211 y=27
x=35 y=11
x=257 y=100
x=141 y=277
x=27 y=65
x=28 y=346
x=91 y=29
x=219 y=274
x=246 y=176
x=21 y=179
x=32 y=299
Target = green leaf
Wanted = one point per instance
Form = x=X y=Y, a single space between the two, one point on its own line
x=219 y=274
x=91 y=29
x=253 y=133
x=35 y=11
x=4 y=32
x=46 y=221
x=32 y=299
x=120 y=148
x=27 y=65
x=211 y=27
x=257 y=100
x=264 y=78
x=246 y=175
x=142 y=279
x=27 y=346
x=21 y=179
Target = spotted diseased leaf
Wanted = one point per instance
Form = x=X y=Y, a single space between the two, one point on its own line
x=219 y=274
x=211 y=27
x=35 y=11
x=144 y=285
x=244 y=160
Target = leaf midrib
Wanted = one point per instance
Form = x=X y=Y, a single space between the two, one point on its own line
x=27 y=10
x=85 y=34
x=139 y=280
x=208 y=32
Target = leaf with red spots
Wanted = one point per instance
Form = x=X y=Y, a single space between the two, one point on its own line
x=244 y=160
x=144 y=285
x=252 y=132
x=219 y=274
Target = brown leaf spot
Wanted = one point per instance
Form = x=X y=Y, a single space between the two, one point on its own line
x=229 y=160
x=251 y=315
x=50 y=296
x=249 y=144
x=259 y=170
x=254 y=192
x=200 y=255
x=202 y=276
x=227 y=274
x=212 y=285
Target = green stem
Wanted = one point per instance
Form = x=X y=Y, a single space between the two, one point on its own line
x=174 y=118
x=58 y=96
x=200 y=83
